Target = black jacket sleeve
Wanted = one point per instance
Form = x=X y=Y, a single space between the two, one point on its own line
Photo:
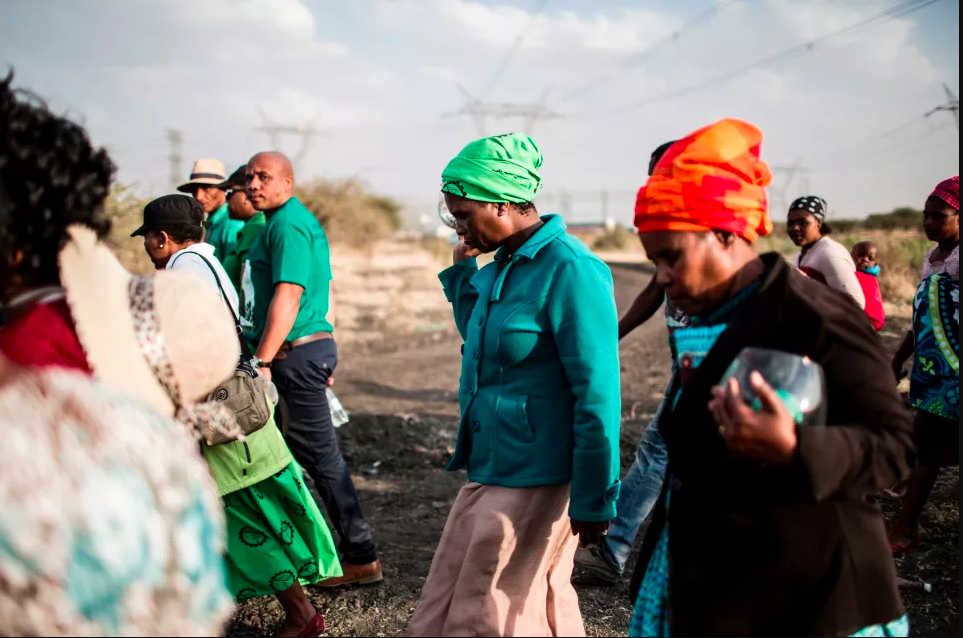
x=870 y=445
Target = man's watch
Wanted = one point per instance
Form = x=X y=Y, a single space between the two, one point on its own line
x=261 y=364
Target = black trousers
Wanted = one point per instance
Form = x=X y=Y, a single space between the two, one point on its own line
x=301 y=378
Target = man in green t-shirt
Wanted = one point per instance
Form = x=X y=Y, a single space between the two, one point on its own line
x=205 y=186
x=240 y=209
x=288 y=312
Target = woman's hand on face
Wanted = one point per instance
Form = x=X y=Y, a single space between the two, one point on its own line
x=767 y=436
x=462 y=251
x=589 y=533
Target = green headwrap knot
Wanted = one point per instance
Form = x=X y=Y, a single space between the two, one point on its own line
x=496 y=169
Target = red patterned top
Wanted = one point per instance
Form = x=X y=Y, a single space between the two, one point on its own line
x=43 y=335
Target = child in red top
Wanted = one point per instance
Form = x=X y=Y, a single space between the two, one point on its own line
x=867 y=271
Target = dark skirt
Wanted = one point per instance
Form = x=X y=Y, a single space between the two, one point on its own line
x=937 y=440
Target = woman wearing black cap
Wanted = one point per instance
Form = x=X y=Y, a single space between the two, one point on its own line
x=277 y=539
x=821 y=257
x=172 y=230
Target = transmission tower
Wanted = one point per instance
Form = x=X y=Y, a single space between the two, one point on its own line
x=480 y=112
x=176 y=139
x=780 y=199
x=308 y=133
x=952 y=105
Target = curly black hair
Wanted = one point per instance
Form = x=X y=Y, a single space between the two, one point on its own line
x=50 y=177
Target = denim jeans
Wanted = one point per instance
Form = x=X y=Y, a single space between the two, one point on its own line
x=640 y=490
x=302 y=378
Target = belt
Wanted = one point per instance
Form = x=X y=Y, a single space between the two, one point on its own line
x=290 y=345
x=301 y=341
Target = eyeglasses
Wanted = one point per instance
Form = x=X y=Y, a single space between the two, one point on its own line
x=229 y=193
x=444 y=214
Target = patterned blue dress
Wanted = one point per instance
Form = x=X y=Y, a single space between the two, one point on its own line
x=935 y=382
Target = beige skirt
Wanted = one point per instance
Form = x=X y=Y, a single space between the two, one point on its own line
x=503 y=567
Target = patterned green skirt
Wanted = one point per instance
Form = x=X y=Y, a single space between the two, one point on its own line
x=276 y=536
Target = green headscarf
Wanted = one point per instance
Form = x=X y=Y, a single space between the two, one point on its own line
x=496 y=169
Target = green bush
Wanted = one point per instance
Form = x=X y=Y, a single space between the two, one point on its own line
x=904 y=218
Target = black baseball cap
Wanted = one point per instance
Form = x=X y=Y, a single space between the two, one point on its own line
x=171 y=211
x=237 y=178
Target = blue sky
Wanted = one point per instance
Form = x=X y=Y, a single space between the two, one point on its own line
x=376 y=76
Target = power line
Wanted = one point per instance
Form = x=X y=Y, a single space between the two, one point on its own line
x=868 y=143
x=702 y=18
x=899 y=144
x=513 y=51
x=863 y=143
x=898 y=11
x=904 y=148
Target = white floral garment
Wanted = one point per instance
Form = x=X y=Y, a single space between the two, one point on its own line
x=109 y=521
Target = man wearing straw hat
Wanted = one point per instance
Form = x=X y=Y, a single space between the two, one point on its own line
x=204 y=184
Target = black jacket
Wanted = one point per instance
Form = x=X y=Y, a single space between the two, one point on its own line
x=757 y=550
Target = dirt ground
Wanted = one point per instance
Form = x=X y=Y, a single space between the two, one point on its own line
x=401 y=392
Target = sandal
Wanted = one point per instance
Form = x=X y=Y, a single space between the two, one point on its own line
x=893 y=493
x=904 y=547
x=314 y=628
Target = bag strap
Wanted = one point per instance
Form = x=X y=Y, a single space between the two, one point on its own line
x=246 y=354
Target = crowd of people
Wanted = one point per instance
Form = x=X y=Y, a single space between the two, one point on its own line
x=160 y=428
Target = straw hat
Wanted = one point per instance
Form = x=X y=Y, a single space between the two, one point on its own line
x=166 y=338
x=206 y=172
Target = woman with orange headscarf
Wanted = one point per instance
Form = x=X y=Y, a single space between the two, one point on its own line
x=762 y=527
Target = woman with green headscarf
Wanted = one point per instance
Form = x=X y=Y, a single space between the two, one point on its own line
x=540 y=405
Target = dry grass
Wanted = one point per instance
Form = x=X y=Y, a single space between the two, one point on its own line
x=349 y=212
x=439 y=249
x=901 y=254
x=125 y=208
x=615 y=238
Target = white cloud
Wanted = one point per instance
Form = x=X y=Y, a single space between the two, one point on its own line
x=767 y=86
x=625 y=31
x=290 y=18
x=884 y=47
x=291 y=105
x=132 y=68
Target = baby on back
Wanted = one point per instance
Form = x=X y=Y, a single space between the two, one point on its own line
x=867 y=272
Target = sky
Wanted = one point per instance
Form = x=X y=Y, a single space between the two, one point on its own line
x=377 y=77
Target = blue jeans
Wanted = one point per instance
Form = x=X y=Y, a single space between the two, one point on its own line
x=640 y=490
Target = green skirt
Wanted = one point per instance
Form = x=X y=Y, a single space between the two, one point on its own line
x=276 y=537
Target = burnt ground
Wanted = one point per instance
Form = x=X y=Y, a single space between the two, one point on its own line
x=402 y=396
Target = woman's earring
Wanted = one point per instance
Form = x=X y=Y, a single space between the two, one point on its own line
x=160 y=245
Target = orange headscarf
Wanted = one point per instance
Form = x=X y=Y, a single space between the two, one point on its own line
x=712 y=179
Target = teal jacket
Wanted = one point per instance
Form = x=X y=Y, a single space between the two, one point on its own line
x=539 y=390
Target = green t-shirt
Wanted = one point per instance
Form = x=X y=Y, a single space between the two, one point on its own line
x=222 y=232
x=291 y=249
x=245 y=241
